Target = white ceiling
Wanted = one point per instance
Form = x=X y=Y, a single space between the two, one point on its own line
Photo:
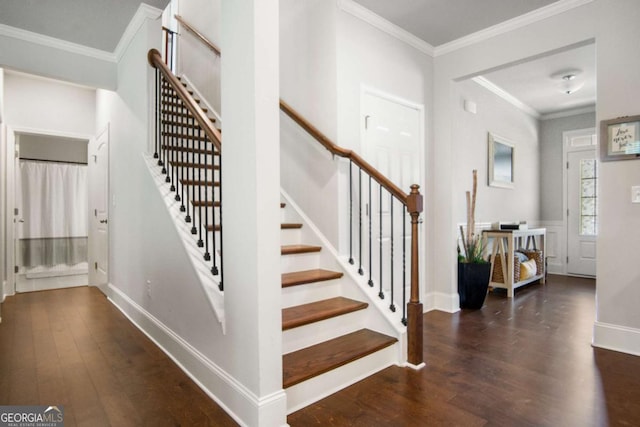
x=529 y=85
x=94 y=23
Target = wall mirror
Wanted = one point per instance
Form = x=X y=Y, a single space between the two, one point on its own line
x=501 y=162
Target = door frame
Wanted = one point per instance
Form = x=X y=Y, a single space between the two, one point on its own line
x=10 y=155
x=566 y=149
x=369 y=90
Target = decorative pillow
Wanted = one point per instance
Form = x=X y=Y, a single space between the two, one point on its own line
x=527 y=269
x=521 y=255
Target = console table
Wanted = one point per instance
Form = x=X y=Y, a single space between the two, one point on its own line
x=504 y=243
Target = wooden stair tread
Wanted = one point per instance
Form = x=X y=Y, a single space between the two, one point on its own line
x=305 y=314
x=172 y=104
x=212 y=227
x=194 y=165
x=171 y=114
x=308 y=276
x=185 y=136
x=199 y=182
x=282 y=205
x=310 y=362
x=299 y=249
x=189 y=149
x=290 y=226
x=207 y=204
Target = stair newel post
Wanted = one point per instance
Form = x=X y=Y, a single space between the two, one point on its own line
x=392 y=306
x=360 y=271
x=414 y=307
x=380 y=293
x=350 y=212
x=370 y=215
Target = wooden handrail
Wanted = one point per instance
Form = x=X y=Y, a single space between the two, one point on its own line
x=342 y=152
x=155 y=59
x=198 y=35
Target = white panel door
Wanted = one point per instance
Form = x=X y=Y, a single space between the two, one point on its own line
x=392 y=137
x=582 y=219
x=99 y=210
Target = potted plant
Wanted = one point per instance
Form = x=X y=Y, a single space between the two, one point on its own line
x=473 y=269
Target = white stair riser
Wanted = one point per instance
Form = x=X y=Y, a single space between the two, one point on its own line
x=310 y=292
x=290 y=236
x=307 y=392
x=315 y=333
x=299 y=262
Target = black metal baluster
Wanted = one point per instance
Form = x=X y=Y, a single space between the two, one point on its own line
x=360 y=271
x=370 y=214
x=184 y=143
x=207 y=255
x=189 y=202
x=380 y=294
x=158 y=112
x=200 y=242
x=220 y=286
x=392 y=306
x=404 y=266
x=165 y=119
x=350 y=213
x=214 y=267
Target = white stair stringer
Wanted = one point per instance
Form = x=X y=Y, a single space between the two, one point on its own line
x=209 y=282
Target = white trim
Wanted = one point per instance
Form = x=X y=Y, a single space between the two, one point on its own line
x=52 y=42
x=569 y=113
x=47 y=79
x=143 y=13
x=616 y=338
x=204 y=101
x=375 y=20
x=510 y=25
x=497 y=90
x=441 y=301
x=245 y=404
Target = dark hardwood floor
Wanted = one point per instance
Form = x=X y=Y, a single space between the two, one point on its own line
x=521 y=362
x=72 y=347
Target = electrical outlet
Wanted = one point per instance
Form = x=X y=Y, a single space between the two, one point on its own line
x=149 y=288
x=635 y=194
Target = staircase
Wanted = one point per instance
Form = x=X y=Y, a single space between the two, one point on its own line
x=329 y=338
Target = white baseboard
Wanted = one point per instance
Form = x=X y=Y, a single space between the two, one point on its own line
x=616 y=338
x=241 y=404
x=449 y=303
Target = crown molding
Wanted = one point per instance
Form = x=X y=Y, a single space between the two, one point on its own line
x=569 y=113
x=506 y=96
x=375 y=20
x=143 y=13
x=510 y=25
x=52 y=42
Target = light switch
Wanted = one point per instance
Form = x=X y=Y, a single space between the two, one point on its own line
x=635 y=194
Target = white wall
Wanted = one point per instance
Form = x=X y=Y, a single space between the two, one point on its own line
x=618 y=317
x=49 y=105
x=551 y=161
x=3 y=192
x=195 y=60
x=470 y=150
x=308 y=84
x=612 y=24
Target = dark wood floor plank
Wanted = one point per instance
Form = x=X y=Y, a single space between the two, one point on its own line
x=73 y=348
x=525 y=361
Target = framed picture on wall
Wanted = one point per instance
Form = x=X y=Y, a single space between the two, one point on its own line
x=501 y=162
x=620 y=138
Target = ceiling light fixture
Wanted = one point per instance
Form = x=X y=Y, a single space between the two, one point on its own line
x=568 y=81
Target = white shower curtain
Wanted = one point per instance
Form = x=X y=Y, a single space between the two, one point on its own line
x=53 y=201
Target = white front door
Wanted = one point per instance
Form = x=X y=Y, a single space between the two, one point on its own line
x=582 y=218
x=99 y=210
x=392 y=136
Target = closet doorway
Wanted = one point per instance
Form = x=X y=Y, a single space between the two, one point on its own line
x=51 y=212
